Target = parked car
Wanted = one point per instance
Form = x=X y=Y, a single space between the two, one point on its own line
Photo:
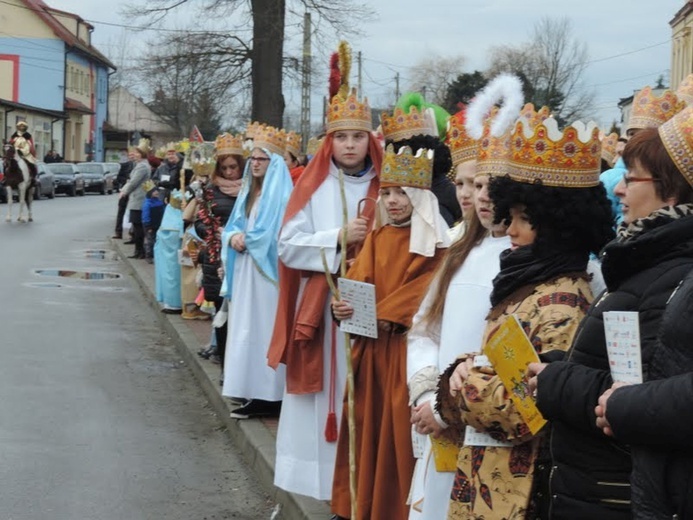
x=97 y=178
x=46 y=182
x=68 y=179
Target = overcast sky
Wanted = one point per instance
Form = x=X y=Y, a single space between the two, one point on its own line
x=407 y=31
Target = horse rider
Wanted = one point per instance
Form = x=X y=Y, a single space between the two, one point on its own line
x=23 y=142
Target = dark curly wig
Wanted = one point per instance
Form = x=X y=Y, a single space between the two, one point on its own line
x=442 y=160
x=564 y=218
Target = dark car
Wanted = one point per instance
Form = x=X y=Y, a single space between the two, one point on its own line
x=45 y=181
x=68 y=180
x=96 y=176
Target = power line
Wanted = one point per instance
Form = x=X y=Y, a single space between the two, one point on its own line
x=628 y=79
x=627 y=53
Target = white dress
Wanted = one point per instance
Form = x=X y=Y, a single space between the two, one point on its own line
x=251 y=320
x=305 y=460
x=467 y=303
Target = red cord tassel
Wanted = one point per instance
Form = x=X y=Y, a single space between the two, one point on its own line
x=331 y=427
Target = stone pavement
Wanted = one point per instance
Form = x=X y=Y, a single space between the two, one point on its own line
x=254 y=438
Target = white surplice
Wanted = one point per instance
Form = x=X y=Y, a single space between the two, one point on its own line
x=251 y=320
x=431 y=350
x=305 y=460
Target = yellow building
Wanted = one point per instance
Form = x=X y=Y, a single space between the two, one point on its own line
x=681 y=44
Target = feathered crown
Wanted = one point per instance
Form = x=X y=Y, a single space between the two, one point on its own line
x=677 y=136
x=685 y=90
x=568 y=159
x=491 y=125
x=293 y=143
x=313 y=145
x=651 y=111
x=462 y=147
x=402 y=125
x=349 y=114
x=609 y=148
x=406 y=169
x=270 y=138
x=227 y=144
x=251 y=130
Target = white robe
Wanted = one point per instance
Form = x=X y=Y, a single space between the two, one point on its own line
x=305 y=460
x=251 y=320
x=467 y=303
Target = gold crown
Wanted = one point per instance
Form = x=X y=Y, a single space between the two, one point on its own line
x=462 y=147
x=677 y=136
x=160 y=152
x=493 y=152
x=252 y=130
x=202 y=159
x=685 y=90
x=609 y=148
x=171 y=146
x=144 y=146
x=349 y=114
x=568 y=159
x=406 y=169
x=313 y=146
x=293 y=143
x=270 y=138
x=534 y=117
x=183 y=146
x=401 y=125
x=227 y=144
x=651 y=111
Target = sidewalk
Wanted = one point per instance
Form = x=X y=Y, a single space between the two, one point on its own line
x=254 y=438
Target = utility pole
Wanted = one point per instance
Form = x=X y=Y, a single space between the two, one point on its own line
x=305 y=84
x=358 y=60
x=396 y=87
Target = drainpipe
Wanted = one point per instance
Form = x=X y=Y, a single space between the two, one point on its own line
x=5 y=132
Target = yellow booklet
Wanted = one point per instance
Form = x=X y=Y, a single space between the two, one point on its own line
x=510 y=351
x=445 y=453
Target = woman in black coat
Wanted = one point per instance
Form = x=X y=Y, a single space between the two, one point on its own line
x=656 y=418
x=218 y=199
x=590 y=472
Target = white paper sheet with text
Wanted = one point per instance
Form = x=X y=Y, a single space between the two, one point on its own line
x=622 y=331
x=361 y=296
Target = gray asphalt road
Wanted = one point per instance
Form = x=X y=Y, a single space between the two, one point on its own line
x=99 y=419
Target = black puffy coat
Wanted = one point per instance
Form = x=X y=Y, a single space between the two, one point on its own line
x=222 y=206
x=656 y=418
x=589 y=477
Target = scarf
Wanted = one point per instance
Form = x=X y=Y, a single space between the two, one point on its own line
x=626 y=232
x=227 y=186
x=521 y=267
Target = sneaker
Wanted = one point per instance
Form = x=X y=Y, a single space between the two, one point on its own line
x=257 y=408
x=197 y=314
x=171 y=310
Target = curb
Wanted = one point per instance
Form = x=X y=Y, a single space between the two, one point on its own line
x=253 y=439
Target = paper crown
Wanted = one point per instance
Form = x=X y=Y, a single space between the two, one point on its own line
x=252 y=129
x=171 y=147
x=270 y=138
x=404 y=125
x=685 y=90
x=677 y=136
x=533 y=116
x=227 y=144
x=462 y=147
x=349 y=114
x=144 y=146
x=406 y=169
x=651 y=111
x=609 y=143
x=493 y=152
x=568 y=159
x=313 y=146
x=183 y=146
x=293 y=143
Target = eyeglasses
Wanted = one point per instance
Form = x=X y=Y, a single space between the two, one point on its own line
x=627 y=180
x=259 y=159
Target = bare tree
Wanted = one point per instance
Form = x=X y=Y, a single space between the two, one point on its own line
x=551 y=65
x=258 y=58
x=433 y=75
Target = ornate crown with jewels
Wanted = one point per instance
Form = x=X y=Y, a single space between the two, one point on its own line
x=568 y=159
x=270 y=138
x=227 y=144
x=609 y=148
x=462 y=146
x=252 y=129
x=651 y=110
x=293 y=143
x=402 y=125
x=685 y=90
x=677 y=136
x=349 y=114
x=406 y=168
x=313 y=146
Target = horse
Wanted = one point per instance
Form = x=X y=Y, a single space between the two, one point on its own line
x=17 y=176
